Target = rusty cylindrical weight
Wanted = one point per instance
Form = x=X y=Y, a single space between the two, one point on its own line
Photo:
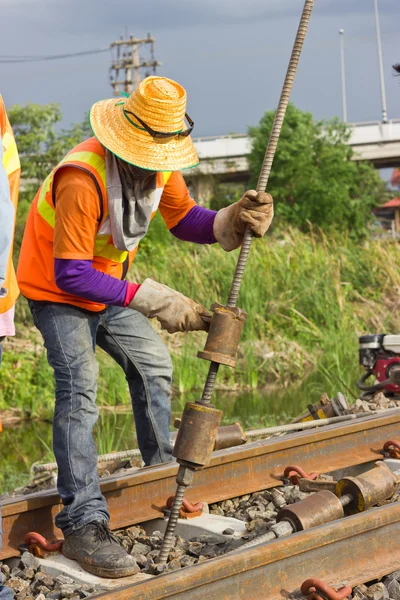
x=196 y=435
x=318 y=509
x=230 y=435
x=224 y=334
x=368 y=489
x=227 y=435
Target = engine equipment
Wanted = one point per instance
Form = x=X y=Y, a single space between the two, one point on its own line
x=379 y=354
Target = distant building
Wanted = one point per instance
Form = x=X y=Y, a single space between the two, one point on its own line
x=389 y=214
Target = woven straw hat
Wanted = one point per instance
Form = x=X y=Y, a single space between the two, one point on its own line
x=161 y=104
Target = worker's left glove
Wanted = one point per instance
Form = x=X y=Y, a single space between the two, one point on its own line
x=254 y=210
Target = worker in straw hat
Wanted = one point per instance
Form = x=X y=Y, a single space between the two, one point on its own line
x=82 y=234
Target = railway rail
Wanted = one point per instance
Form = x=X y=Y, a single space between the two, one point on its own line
x=349 y=551
x=140 y=496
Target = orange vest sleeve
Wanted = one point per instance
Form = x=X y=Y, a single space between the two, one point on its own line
x=77 y=207
x=175 y=201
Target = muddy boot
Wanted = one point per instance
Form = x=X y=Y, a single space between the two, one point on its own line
x=98 y=551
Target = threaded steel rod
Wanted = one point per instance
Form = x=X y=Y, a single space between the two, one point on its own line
x=210 y=383
x=172 y=521
x=245 y=249
x=272 y=143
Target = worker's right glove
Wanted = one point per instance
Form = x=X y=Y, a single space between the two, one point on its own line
x=254 y=211
x=173 y=310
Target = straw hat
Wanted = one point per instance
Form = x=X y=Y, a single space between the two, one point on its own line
x=161 y=104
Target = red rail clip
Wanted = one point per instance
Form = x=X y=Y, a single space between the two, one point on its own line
x=296 y=473
x=312 y=587
x=392 y=447
x=188 y=510
x=38 y=544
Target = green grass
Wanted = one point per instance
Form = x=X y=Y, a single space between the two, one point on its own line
x=308 y=296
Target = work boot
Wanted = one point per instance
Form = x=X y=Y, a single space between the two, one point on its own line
x=98 y=551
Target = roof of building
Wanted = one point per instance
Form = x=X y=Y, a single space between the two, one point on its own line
x=394 y=203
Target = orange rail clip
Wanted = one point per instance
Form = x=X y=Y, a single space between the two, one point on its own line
x=295 y=473
x=392 y=447
x=38 y=544
x=188 y=510
x=312 y=587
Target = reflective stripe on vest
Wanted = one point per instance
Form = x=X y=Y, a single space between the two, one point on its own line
x=103 y=243
x=10 y=157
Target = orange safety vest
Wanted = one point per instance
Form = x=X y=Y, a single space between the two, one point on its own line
x=36 y=263
x=13 y=169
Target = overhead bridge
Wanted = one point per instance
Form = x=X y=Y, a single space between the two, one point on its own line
x=225 y=158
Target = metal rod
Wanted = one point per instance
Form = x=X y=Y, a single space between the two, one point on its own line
x=210 y=383
x=264 y=175
x=346 y=499
x=380 y=61
x=343 y=73
x=272 y=143
x=172 y=521
x=245 y=249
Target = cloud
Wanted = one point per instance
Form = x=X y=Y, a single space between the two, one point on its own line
x=230 y=54
x=159 y=15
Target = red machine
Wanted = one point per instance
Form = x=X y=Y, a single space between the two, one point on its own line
x=380 y=356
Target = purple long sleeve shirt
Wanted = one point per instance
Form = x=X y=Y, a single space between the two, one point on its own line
x=197 y=226
x=78 y=277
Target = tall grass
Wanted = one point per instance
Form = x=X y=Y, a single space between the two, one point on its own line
x=308 y=296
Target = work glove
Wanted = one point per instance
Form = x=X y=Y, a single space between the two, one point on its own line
x=254 y=210
x=173 y=310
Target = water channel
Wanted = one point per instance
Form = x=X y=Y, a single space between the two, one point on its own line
x=31 y=441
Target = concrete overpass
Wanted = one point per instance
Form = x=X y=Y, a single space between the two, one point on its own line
x=225 y=158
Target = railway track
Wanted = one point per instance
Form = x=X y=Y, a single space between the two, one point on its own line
x=140 y=496
x=350 y=551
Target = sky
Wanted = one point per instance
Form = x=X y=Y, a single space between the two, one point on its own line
x=230 y=55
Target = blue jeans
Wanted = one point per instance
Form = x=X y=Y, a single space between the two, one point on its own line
x=70 y=337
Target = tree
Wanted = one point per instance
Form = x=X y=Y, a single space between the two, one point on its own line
x=41 y=146
x=313 y=178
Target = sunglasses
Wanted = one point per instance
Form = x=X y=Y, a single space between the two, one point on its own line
x=161 y=134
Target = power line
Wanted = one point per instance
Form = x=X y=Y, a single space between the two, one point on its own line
x=46 y=57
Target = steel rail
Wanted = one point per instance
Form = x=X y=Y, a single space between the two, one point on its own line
x=139 y=496
x=349 y=551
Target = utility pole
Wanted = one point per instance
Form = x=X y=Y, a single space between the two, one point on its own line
x=380 y=61
x=128 y=60
x=343 y=71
